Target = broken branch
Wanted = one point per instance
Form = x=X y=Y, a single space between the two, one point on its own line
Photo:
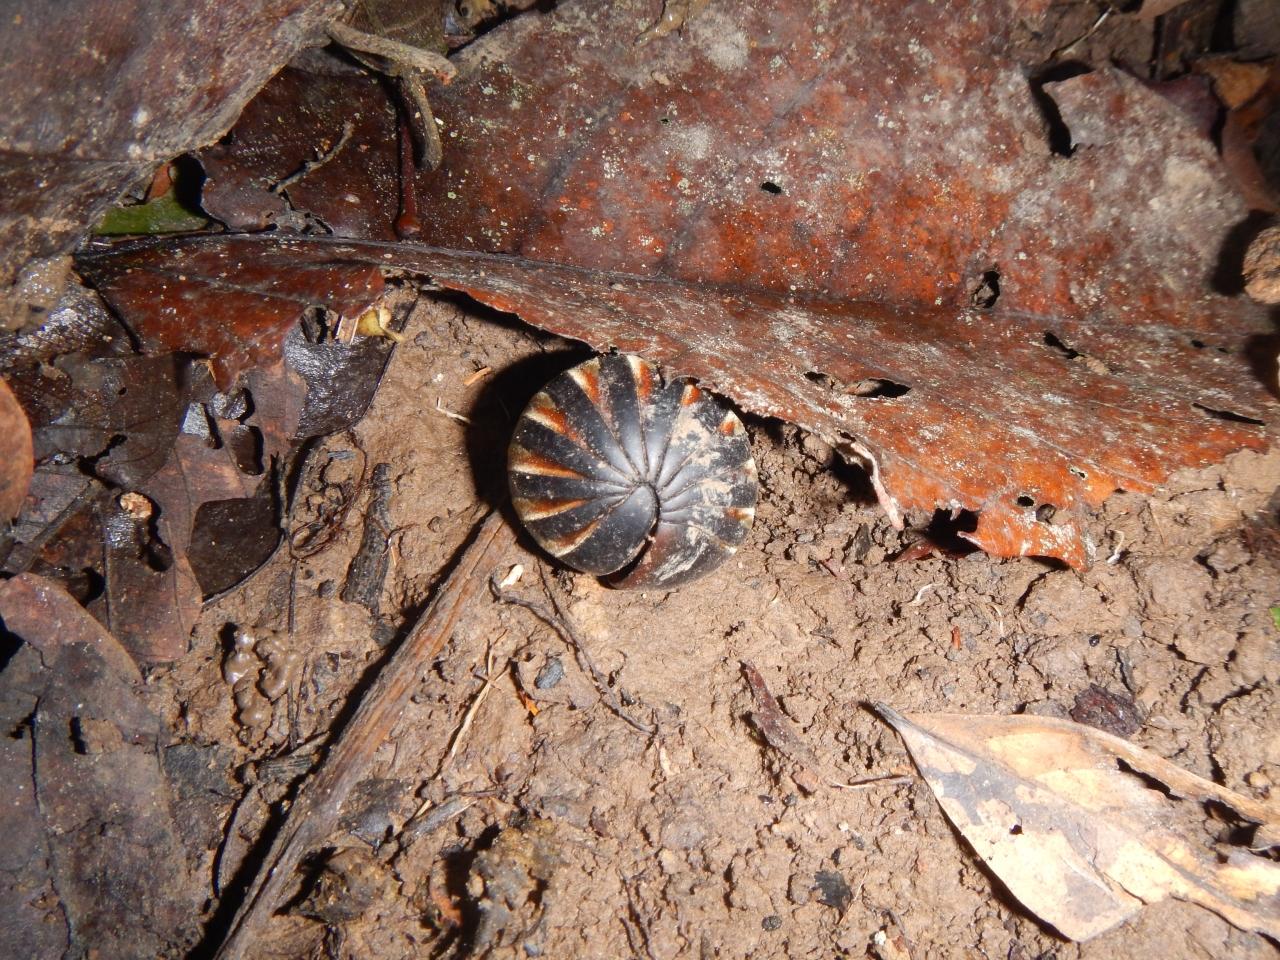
x=315 y=811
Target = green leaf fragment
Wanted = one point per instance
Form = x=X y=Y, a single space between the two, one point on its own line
x=161 y=215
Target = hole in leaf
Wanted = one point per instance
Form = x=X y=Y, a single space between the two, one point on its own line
x=1052 y=341
x=1015 y=830
x=987 y=292
x=1046 y=512
x=1077 y=472
x=1198 y=344
x=944 y=531
x=770 y=187
x=877 y=387
x=1026 y=501
x=1229 y=415
x=1058 y=133
x=824 y=380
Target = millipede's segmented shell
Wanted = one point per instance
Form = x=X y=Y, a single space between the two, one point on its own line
x=614 y=472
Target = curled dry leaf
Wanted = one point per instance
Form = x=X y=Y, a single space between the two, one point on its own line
x=1073 y=821
x=17 y=457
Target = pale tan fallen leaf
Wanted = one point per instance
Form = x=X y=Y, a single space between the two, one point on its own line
x=1075 y=823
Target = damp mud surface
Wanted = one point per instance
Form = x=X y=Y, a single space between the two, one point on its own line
x=513 y=813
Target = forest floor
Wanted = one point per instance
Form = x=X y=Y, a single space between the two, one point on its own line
x=514 y=807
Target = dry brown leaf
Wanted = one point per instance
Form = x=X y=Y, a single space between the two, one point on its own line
x=1070 y=821
x=15 y=475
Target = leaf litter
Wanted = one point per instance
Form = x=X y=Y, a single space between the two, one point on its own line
x=1110 y=310
x=872 y=238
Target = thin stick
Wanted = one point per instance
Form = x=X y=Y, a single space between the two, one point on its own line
x=886 y=779
x=478 y=375
x=560 y=624
x=440 y=408
x=315 y=811
x=468 y=718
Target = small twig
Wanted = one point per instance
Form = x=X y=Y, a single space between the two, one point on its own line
x=428 y=818
x=450 y=414
x=866 y=782
x=560 y=624
x=455 y=742
x=393 y=51
x=1118 y=551
x=315 y=810
x=422 y=122
x=478 y=375
x=311 y=166
x=919 y=598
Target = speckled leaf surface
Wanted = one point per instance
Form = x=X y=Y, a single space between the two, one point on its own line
x=856 y=221
x=97 y=94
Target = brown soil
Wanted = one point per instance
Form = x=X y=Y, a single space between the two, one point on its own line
x=550 y=827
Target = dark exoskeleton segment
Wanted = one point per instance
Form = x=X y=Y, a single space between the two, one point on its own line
x=619 y=474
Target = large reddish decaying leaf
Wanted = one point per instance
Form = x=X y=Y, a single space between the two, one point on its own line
x=813 y=213
x=994 y=413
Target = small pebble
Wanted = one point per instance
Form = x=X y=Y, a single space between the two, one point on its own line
x=1116 y=713
x=552 y=673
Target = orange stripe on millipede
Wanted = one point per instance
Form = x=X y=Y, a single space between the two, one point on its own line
x=524 y=461
x=587 y=377
x=545 y=412
x=541 y=509
x=691 y=396
x=729 y=425
x=643 y=375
